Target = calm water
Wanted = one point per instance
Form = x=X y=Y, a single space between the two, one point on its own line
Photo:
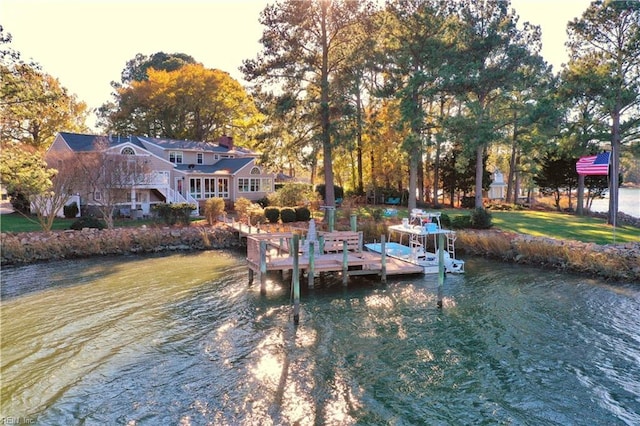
x=628 y=202
x=183 y=340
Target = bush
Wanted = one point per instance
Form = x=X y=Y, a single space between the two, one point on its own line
x=213 y=208
x=256 y=214
x=468 y=202
x=338 y=191
x=445 y=220
x=303 y=214
x=171 y=214
x=272 y=214
x=287 y=214
x=71 y=210
x=461 y=222
x=377 y=215
x=481 y=219
x=242 y=207
x=292 y=194
x=87 y=222
x=263 y=202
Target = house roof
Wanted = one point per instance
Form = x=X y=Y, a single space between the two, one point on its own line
x=177 y=144
x=225 y=166
x=85 y=143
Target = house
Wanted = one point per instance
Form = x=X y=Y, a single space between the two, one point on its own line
x=177 y=171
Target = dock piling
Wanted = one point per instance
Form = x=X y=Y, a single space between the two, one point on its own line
x=295 y=277
x=440 y=268
x=263 y=267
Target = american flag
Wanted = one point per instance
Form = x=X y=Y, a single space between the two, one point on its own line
x=594 y=164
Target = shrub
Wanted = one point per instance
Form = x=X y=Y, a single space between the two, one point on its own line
x=468 y=202
x=87 y=222
x=287 y=214
x=338 y=191
x=213 y=208
x=481 y=219
x=445 y=220
x=255 y=214
x=272 y=214
x=292 y=194
x=461 y=222
x=263 y=202
x=171 y=214
x=71 y=210
x=242 y=207
x=303 y=214
x=377 y=215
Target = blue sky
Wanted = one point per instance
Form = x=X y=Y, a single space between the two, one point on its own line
x=86 y=43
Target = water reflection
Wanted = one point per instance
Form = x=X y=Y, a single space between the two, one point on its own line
x=183 y=339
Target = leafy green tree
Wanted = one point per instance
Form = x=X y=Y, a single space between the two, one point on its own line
x=33 y=105
x=557 y=175
x=414 y=51
x=137 y=68
x=304 y=45
x=489 y=62
x=608 y=36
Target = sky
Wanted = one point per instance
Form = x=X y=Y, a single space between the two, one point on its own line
x=87 y=43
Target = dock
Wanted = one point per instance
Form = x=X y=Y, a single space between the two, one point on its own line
x=307 y=251
x=338 y=251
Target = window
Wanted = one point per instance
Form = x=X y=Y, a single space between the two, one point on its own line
x=175 y=157
x=209 y=188
x=255 y=171
x=223 y=188
x=127 y=151
x=200 y=158
x=195 y=188
x=254 y=184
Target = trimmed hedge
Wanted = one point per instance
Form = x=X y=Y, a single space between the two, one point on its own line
x=287 y=215
x=272 y=214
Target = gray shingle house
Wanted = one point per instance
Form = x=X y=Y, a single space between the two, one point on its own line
x=178 y=170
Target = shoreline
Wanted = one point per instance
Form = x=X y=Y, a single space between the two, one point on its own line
x=619 y=262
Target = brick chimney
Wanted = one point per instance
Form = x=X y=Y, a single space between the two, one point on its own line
x=226 y=142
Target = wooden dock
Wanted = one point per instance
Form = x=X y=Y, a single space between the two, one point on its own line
x=329 y=252
x=339 y=251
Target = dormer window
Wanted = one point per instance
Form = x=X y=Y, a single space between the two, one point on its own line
x=127 y=151
x=175 y=157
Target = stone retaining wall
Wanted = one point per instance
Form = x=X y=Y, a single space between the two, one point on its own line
x=23 y=248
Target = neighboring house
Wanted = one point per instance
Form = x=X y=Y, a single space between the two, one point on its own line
x=179 y=171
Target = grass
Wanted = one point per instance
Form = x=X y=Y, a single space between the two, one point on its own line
x=14 y=222
x=545 y=224
x=536 y=223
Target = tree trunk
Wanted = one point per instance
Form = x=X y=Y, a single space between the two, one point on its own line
x=479 y=173
x=325 y=122
x=615 y=167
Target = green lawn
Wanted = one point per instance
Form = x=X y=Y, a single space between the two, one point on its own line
x=547 y=224
x=539 y=224
x=15 y=222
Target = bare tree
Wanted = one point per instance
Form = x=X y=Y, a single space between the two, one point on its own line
x=110 y=178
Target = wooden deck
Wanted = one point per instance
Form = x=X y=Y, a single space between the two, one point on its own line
x=275 y=253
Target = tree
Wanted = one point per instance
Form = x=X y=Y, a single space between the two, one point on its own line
x=64 y=180
x=110 y=178
x=305 y=44
x=33 y=105
x=24 y=174
x=608 y=33
x=557 y=174
x=415 y=52
x=491 y=53
x=138 y=67
x=191 y=102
